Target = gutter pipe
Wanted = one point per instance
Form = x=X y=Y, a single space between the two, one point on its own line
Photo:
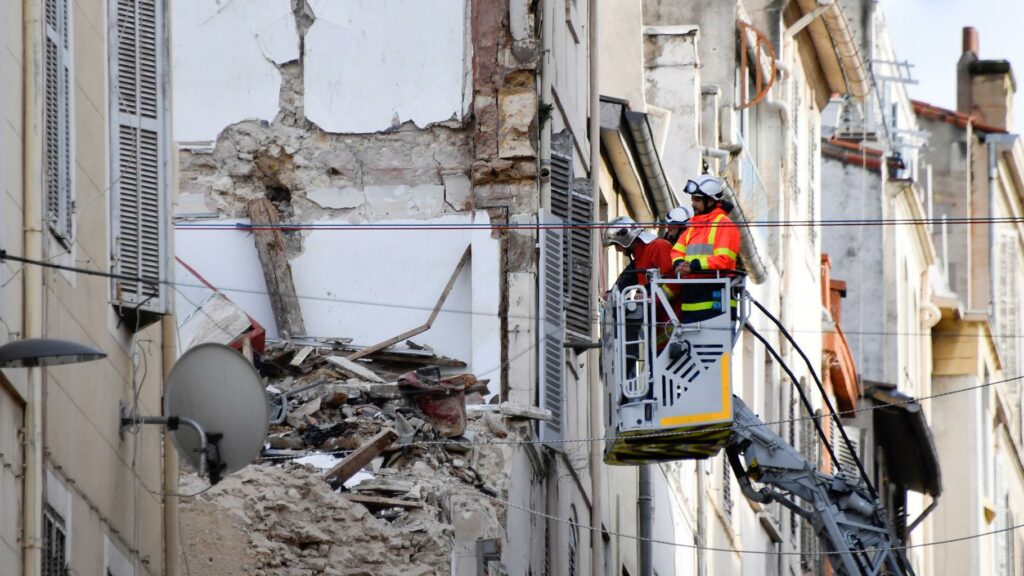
x=593 y=357
x=32 y=280
x=646 y=504
x=752 y=261
x=650 y=162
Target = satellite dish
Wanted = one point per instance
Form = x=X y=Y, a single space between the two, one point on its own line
x=215 y=390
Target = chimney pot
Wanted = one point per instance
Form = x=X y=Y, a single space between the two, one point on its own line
x=971 y=40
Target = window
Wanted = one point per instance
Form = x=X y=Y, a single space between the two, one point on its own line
x=57 y=124
x=139 y=156
x=54 y=544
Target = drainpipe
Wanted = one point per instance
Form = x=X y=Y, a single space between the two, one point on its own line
x=32 y=280
x=751 y=259
x=594 y=376
x=699 y=537
x=171 y=542
x=646 y=503
x=546 y=34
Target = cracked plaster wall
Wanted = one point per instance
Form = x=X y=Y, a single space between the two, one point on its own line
x=225 y=57
x=373 y=64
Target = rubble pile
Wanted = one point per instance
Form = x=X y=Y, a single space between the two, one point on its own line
x=366 y=468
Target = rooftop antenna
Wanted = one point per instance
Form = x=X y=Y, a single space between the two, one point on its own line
x=215 y=409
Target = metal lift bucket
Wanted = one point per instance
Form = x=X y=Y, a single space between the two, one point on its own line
x=668 y=382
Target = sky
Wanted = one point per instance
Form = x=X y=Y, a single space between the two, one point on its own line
x=927 y=33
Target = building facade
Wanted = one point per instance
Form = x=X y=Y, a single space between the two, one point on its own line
x=84 y=166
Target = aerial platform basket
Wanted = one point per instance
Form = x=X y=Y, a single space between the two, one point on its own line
x=667 y=377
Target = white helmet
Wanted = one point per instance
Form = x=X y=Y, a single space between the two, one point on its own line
x=622 y=231
x=680 y=215
x=705 y=185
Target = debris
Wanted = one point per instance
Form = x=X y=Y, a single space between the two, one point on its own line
x=277 y=271
x=361 y=457
x=514 y=410
x=318 y=461
x=301 y=356
x=442 y=401
x=351 y=368
x=496 y=424
x=381 y=501
x=300 y=417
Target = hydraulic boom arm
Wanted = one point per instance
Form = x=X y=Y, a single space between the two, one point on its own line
x=845 y=516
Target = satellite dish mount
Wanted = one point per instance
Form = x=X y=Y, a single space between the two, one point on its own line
x=212 y=387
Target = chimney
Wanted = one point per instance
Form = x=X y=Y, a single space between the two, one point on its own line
x=971 y=40
x=970 y=53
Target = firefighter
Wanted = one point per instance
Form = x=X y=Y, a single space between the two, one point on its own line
x=645 y=250
x=676 y=222
x=710 y=244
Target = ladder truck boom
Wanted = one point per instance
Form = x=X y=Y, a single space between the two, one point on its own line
x=668 y=392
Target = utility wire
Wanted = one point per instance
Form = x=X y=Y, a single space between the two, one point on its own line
x=451 y=226
x=563 y=441
x=327 y=299
x=600 y=530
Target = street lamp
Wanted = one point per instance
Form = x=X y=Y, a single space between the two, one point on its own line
x=33 y=352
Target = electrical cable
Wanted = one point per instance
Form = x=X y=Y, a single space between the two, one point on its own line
x=824 y=396
x=420 y=226
x=803 y=395
x=601 y=530
x=224 y=290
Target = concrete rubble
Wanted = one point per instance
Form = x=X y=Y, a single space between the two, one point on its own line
x=421 y=499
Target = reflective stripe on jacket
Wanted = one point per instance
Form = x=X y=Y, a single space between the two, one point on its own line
x=712 y=239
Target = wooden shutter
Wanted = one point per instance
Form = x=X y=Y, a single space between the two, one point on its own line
x=574 y=205
x=57 y=124
x=551 y=327
x=139 y=154
x=1006 y=313
x=579 y=311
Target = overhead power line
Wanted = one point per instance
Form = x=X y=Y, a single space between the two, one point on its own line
x=335 y=226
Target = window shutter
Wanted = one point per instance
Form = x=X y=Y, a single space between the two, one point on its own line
x=1006 y=305
x=57 y=131
x=574 y=205
x=139 y=155
x=843 y=453
x=551 y=327
x=579 y=311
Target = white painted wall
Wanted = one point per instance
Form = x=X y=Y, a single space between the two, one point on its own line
x=224 y=56
x=369 y=285
x=373 y=64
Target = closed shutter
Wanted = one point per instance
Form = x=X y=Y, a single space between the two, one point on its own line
x=574 y=205
x=1006 y=313
x=551 y=328
x=57 y=124
x=843 y=453
x=139 y=154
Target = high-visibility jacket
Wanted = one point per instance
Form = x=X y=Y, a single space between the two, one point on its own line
x=712 y=239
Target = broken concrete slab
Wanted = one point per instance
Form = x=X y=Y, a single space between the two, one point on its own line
x=353 y=368
x=514 y=410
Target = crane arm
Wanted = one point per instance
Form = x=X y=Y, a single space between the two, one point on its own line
x=849 y=521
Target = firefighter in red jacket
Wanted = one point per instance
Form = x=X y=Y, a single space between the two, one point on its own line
x=711 y=243
x=646 y=251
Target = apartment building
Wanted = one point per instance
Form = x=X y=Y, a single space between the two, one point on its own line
x=84 y=167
